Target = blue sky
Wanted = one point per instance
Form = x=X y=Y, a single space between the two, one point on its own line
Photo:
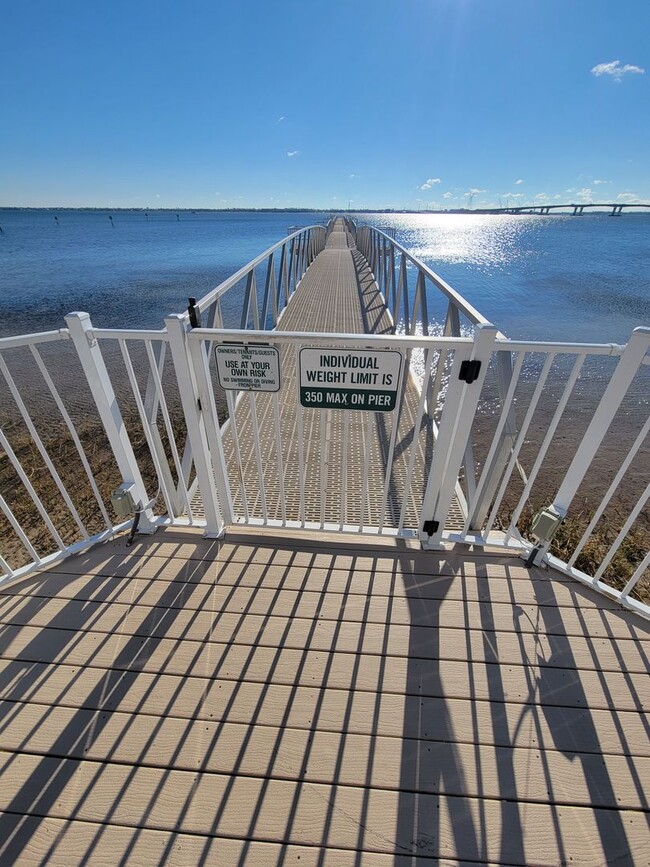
x=373 y=103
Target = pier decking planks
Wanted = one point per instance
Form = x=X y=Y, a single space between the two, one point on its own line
x=269 y=698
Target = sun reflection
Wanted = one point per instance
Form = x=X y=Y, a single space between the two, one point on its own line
x=472 y=239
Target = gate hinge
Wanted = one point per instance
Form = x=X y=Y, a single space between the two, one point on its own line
x=469 y=370
x=193 y=310
x=430 y=527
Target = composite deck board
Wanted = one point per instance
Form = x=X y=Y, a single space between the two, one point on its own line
x=323 y=480
x=297 y=632
x=194 y=706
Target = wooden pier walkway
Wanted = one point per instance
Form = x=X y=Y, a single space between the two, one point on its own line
x=277 y=699
x=337 y=295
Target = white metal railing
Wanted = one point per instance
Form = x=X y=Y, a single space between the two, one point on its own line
x=265 y=284
x=45 y=518
x=403 y=281
x=321 y=467
x=408 y=461
x=406 y=284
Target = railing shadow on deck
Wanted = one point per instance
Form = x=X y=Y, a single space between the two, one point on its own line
x=281 y=638
x=497 y=834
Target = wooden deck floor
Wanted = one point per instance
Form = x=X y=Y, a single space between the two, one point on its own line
x=273 y=700
x=337 y=295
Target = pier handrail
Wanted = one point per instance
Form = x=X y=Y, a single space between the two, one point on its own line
x=296 y=252
x=381 y=252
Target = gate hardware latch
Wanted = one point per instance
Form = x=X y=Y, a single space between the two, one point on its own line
x=469 y=370
x=193 y=310
x=430 y=527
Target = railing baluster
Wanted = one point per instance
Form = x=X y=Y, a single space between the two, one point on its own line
x=417 y=422
x=610 y=491
x=568 y=389
x=18 y=530
x=638 y=573
x=41 y=448
x=161 y=467
x=278 y=451
x=627 y=526
x=391 y=446
x=323 y=462
x=344 y=468
x=232 y=421
x=258 y=454
x=243 y=324
x=268 y=291
x=367 y=445
x=22 y=475
x=541 y=381
x=73 y=434
x=169 y=426
x=300 y=431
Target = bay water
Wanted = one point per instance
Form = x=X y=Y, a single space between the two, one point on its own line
x=540 y=278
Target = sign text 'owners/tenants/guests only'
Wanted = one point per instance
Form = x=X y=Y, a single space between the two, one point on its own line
x=247 y=367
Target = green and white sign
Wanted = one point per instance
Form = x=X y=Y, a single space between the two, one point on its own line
x=242 y=367
x=349 y=379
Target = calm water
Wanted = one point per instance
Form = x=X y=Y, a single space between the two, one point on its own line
x=579 y=278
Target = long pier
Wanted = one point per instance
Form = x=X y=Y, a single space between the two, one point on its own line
x=333 y=465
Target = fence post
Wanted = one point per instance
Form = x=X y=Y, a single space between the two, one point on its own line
x=101 y=388
x=200 y=365
x=193 y=409
x=453 y=434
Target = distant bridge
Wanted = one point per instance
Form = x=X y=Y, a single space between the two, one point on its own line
x=616 y=208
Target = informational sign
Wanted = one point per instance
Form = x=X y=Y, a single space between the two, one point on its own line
x=349 y=379
x=243 y=367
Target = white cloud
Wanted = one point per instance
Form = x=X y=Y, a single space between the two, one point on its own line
x=629 y=198
x=615 y=69
x=447 y=195
x=585 y=195
x=520 y=181
x=474 y=191
x=602 y=182
x=542 y=197
x=512 y=195
x=429 y=183
x=281 y=118
x=292 y=153
x=353 y=176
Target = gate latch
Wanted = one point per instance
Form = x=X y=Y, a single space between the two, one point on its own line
x=469 y=370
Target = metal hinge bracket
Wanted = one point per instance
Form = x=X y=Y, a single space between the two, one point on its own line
x=469 y=370
x=430 y=527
